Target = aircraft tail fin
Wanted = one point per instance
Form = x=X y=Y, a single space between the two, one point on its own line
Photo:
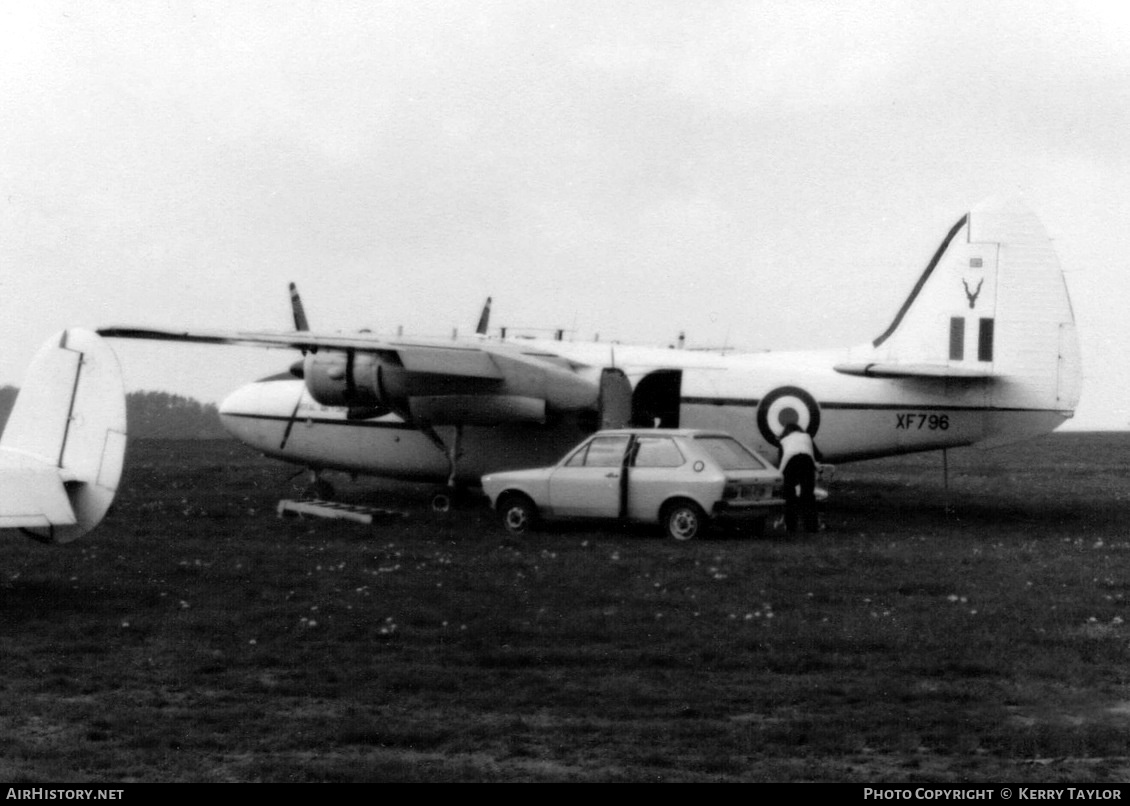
x=992 y=305
x=62 y=452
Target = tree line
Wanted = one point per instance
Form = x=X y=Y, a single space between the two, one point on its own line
x=153 y=415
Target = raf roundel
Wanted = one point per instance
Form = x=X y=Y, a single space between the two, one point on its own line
x=784 y=405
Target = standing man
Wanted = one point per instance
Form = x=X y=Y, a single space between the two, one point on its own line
x=798 y=465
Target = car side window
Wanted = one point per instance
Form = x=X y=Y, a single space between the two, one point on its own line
x=657 y=452
x=578 y=457
x=605 y=452
x=731 y=454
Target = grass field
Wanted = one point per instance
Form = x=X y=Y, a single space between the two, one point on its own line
x=971 y=633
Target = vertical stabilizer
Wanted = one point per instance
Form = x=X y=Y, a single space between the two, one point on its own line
x=992 y=304
x=66 y=436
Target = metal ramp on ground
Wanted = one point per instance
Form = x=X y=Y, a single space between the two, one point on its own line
x=335 y=510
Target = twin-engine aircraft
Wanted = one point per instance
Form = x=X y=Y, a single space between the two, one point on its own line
x=62 y=450
x=982 y=352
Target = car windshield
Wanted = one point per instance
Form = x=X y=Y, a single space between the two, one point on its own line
x=731 y=454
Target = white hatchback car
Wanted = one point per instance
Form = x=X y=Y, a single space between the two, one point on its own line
x=680 y=478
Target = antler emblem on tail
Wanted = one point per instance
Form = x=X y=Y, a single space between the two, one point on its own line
x=972 y=295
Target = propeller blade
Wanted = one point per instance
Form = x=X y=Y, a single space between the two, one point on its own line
x=290 y=423
x=484 y=319
x=296 y=308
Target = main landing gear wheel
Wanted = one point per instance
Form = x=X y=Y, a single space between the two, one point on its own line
x=448 y=498
x=684 y=520
x=317 y=487
x=322 y=489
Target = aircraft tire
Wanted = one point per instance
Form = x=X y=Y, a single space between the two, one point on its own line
x=323 y=490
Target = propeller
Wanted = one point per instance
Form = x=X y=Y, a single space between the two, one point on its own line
x=484 y=319
x=298 y=368
x=300 y=323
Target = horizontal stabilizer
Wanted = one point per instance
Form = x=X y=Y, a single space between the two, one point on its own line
x=889 y=370
x=33 y=497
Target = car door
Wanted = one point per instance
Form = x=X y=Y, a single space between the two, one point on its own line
x=657 y=470
x=587 y=485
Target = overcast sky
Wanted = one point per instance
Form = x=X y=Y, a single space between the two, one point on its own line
x=762 y=175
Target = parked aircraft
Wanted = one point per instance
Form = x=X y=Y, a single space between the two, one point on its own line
x=982 y=352
x=62 y=450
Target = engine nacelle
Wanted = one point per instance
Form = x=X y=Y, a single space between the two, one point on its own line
x=477 y=409
x=348 y=378
x=517 y=390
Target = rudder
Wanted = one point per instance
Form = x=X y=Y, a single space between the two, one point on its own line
x=992 y=303
x=70 y=414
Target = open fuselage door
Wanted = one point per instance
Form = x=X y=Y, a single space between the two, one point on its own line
x=657 y=399
x=615 y=398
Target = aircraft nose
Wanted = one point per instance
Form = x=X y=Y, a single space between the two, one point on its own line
x=252 y=413
x=242 y=401
x=271 y=398
x=237 y=407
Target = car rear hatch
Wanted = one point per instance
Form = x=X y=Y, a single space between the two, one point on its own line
x=752 y=490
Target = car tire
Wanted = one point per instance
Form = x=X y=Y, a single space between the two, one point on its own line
x=517 y=513
x=684 y=520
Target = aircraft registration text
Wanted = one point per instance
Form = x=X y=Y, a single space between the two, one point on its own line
x=917 y=421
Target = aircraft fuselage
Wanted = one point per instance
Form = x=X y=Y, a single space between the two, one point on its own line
x=748 y=396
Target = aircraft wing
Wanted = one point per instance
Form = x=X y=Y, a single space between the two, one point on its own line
x=460 y=359
x=434 y=382
x=924 y=371
x=33 y=497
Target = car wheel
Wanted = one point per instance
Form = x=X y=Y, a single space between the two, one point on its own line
x=518 y=513
x=684 y=520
